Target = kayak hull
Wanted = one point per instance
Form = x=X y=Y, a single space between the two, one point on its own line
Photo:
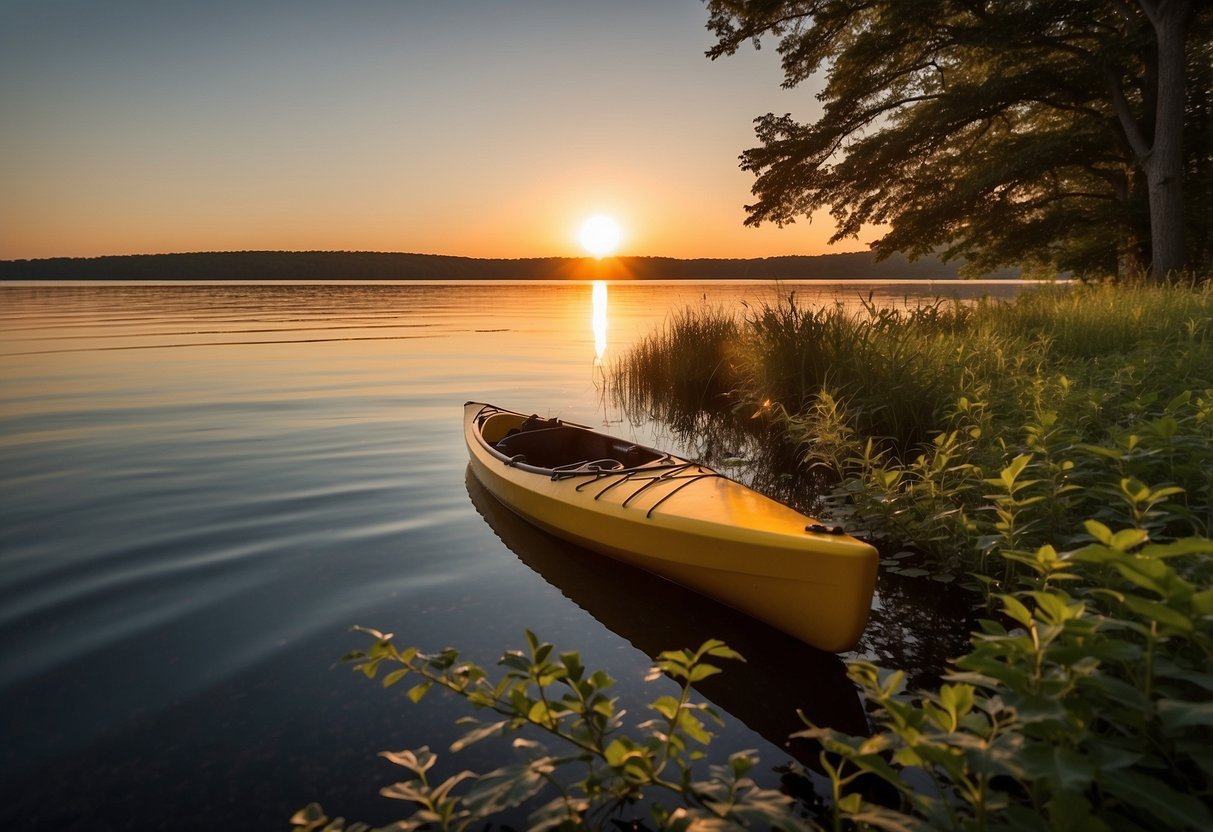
x=679 y=520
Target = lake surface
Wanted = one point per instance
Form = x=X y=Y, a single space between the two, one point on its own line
x=203 y=487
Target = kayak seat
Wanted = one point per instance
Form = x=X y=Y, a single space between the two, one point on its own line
x=568 y=448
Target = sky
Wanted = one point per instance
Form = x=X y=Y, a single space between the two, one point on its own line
x=482 y=129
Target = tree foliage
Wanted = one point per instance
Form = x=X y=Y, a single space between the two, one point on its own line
x=1001 y=131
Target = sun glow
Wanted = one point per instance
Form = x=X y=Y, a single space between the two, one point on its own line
x=600 y=235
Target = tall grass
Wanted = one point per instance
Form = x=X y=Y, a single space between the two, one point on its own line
x=683 y=372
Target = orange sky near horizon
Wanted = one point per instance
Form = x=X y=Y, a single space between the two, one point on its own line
x=466 y=128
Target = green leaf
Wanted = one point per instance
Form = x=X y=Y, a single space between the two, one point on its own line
x=1163 y=614
x=515 y=661
x=1009 y=474
x=1176 y=714
x=1052 y=607
x=693 y=728
x=479 y=733
x=572 y=665
x=1071 y=812
x=1202 y=602
x=1013 y=607
x=443 y=789
x=507 y=787
x=418 y=691
x=561 y=812
x=394 y=677
x=701 y=672
x=1116 y=691
x=417 y=761
x=1127 y=539
x=850 y=804
x=720 y=650
x=618 y=751
x=1161 y=803
x=742 y=762
x=1179 y=401
x=541 y=714
x=1060 y=768
x=1178 y=548
x=957 y=699
x=1032 y=708
x=1100 y=450
x=309 y=817
x=603 y=706
x=667 y=706
x=1154 y=575
x=1095 y=553
x=1136 y=490
x=1168 y=669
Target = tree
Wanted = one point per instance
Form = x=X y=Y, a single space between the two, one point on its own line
x=1051 y=132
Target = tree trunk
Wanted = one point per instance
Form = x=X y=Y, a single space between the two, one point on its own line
x=1163 y=163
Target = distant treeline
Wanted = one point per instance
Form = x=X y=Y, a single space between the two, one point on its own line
x=361 y=265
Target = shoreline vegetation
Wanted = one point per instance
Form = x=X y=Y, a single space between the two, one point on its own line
x=1054 y=453
x=364 y=265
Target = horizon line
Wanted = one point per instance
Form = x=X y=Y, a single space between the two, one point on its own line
x=421 y=254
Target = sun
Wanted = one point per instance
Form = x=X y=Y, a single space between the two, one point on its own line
x=600 y=235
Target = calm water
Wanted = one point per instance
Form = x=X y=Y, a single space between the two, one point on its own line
x=203 y=487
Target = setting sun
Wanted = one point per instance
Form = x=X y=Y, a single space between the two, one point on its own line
x=600 y=235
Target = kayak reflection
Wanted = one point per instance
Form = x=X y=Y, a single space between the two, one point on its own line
x=781 y=674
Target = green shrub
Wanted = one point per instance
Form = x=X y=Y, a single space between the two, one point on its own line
x=602 y=766
x=1092 y=711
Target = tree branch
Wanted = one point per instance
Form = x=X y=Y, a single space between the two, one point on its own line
x=1132 y=130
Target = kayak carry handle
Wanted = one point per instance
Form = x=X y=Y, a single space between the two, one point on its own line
x=819 y=528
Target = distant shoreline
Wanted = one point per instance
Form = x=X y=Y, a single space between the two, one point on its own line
x=371 y=266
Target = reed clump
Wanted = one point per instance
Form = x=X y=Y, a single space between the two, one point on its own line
x=683 y=373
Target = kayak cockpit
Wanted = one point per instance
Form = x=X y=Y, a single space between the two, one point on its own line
x=550 y=444
x=565 y=447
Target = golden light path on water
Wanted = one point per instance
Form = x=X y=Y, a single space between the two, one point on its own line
x=599 y=319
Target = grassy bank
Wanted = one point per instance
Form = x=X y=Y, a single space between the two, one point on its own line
x=1055 y=454
x=1096 y=402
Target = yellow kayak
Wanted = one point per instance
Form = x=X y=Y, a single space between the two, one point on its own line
x=677 y=519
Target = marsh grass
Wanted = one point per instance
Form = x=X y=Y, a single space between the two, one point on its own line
x=683 y=372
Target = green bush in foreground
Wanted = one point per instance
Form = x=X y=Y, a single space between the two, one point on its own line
x=1085 y=708
x=600 y=767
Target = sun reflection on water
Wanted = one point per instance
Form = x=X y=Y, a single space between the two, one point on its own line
x=599 y=320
